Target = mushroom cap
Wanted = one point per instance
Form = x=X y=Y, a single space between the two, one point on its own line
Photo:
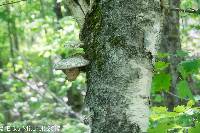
x=71 y=62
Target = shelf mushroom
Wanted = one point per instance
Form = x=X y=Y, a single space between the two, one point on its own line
x=71 y=66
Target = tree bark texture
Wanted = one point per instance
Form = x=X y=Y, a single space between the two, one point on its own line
x=170 y=44
x=120 y=38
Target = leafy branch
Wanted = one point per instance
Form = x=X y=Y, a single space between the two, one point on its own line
x=189 y=10
x=11 y=2
x=172 y=94
x=167 y=8
x=41 y=88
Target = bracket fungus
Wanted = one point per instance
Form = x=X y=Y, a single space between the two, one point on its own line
x=71 y=66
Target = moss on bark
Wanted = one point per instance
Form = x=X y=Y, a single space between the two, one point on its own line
x=119 y=74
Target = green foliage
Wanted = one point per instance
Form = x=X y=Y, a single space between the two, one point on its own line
x=161 y=82
x=162 y=55
x=160 y=65
x=186 y=68
x=31 y=92
x=183 y=90
x=195 y=129
x=181 y=53
x=2 y=118
x=187 y=4
x=179 y=121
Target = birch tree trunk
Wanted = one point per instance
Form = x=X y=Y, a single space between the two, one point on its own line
x=120 y=38
x=170 y=44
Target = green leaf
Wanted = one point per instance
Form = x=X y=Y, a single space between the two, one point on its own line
x=29 y=1
x=63 y=90
x=158 y=98
x=181 y=53
x=179 y=109
x=2 y=118
x=162 y=55
x=159 y=109
x=160 y=65
x=34 y=103
x=183 y=90
x=195 y=129
x=161 y=81
x=161 y=128
x=189 y=67
x=186 y=4
x=190 y=103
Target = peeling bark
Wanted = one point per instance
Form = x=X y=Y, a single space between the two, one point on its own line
x=121 y=38
x=78 y=9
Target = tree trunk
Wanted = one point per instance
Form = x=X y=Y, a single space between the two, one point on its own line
x=120 y=38
x=11 y=39
x=170 y=44
x=57 y=10
x=15 y=36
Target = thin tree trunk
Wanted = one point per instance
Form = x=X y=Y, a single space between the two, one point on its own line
x=50 y=67
x=120 y=38
x=3 y=87
x=10 y=40
x=12 y=53
x=57 y=9
x=15 y=36
x=171 y=44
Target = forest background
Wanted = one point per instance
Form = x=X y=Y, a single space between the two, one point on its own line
x=33 y=35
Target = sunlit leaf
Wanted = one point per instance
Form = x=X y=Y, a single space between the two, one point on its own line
x=179 y=109
x=181 y=53
x=160 y=65
x=195 y=129
x=161 y=82
x=190 y=103
x=183 y=90
x=189 y=67
x=2 y=118
x=162 y=55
